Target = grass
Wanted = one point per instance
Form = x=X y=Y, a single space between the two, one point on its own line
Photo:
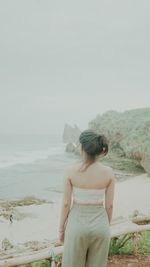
x=42 y=263
x=122 y=245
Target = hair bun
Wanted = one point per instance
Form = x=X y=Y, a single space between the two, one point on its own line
x=93 y=144
x=102 y=141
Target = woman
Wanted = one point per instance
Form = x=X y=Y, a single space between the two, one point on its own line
x=85 y=222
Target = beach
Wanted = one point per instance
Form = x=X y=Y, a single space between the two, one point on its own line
x=40 y=222
x=31 y=176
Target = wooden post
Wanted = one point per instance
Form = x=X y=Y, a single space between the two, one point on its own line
x=136 y=242
x=53 y=257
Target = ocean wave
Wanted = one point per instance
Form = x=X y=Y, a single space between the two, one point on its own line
x=10 y=158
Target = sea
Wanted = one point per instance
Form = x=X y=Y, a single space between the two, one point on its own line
x=32 y=166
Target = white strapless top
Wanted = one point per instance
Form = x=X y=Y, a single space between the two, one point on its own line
x=88 y=195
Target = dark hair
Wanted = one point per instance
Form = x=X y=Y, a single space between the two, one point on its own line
x=93 y=144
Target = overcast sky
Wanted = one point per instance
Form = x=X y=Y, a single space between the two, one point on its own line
x=66 y=61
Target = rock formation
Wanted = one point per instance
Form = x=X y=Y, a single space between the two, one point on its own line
x=128 y=131
x=71 y=134
x=70 y=147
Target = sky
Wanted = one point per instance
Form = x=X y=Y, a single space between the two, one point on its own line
x=67 y=61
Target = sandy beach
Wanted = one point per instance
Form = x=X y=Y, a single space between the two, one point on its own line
x=40 y=222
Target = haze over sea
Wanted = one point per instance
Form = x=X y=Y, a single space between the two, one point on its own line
x=32 y=165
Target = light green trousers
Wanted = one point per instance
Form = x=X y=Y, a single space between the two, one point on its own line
x=87 y=237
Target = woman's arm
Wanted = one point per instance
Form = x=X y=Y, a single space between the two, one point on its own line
x=66 y=200
x=109 y=195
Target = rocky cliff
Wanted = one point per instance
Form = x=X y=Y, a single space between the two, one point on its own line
x=128 y=132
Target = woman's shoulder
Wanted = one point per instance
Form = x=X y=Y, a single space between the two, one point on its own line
x=77 y=164
x=107 y=170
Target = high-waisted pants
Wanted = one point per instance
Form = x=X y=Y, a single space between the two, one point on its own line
x=87 y=236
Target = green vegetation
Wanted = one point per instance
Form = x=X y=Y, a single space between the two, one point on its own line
x=124 y=164
x=122 y=245
x=43 y=263
x=128 y=134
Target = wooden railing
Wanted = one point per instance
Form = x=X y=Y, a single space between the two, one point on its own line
x=11 y=259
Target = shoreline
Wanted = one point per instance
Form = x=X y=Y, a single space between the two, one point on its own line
x=39 y=220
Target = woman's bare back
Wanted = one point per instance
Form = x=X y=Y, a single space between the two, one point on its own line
x=97 y=176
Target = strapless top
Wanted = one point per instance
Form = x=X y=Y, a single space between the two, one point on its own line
x=88 y=195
